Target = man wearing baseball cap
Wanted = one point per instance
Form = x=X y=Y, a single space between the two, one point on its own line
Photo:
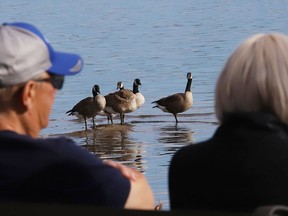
x=50 y=170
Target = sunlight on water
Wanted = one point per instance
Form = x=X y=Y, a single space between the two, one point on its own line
x=158 y=42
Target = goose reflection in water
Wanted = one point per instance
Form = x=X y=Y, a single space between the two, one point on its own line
x=114 y=142
x=172 y=134
x=108 y=140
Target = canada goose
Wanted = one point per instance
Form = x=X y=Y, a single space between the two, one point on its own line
x=177 y=103
x=121 y=101
x=140 y=100
x=108 y=111
x=89 y=107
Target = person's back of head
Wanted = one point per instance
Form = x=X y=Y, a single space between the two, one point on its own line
x=255 y=77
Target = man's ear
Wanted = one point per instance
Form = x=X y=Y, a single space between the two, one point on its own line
x=28 y=94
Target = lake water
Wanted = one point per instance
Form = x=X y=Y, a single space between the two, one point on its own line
x=157 y=41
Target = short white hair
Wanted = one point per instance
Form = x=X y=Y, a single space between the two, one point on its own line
x=255 y=78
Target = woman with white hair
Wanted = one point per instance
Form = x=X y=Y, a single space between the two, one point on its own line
x=244 y=164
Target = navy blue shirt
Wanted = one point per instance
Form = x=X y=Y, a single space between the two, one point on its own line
x=56 y=170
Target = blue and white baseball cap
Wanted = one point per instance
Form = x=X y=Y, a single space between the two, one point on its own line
x=25 y=53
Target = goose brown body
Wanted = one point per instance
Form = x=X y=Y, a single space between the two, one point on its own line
x=89 y=107
x=177 y=103
x=122 y=101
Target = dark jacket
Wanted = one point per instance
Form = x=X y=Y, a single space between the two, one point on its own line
x=244 y=165
x=56 y=170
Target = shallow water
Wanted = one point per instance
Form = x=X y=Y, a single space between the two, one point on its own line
x=158 y=42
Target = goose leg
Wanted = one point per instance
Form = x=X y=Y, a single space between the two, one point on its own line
x=175 y=115
x=111 y=118
x=122 y=118
x=85 y=123
x=93 y=119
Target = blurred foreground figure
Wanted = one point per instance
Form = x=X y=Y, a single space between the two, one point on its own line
x=244 y=164
x=52 y=170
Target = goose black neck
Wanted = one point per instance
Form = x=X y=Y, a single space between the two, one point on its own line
x=95 y=93
x=135 y=89
x=188 y=86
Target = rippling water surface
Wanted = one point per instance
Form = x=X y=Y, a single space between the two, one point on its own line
x=157 y=41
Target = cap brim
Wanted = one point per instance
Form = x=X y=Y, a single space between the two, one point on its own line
x=65 y=64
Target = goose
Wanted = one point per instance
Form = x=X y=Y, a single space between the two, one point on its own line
x=177 y=103
x=120 y=102
x=108 y=111
x=140 y=100
x=89 y=107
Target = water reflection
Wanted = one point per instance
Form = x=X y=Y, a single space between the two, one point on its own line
x=174 y=137
x=116 y=136
x=175 y=134
x=114 y=142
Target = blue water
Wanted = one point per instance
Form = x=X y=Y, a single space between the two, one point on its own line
x=158 y=41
